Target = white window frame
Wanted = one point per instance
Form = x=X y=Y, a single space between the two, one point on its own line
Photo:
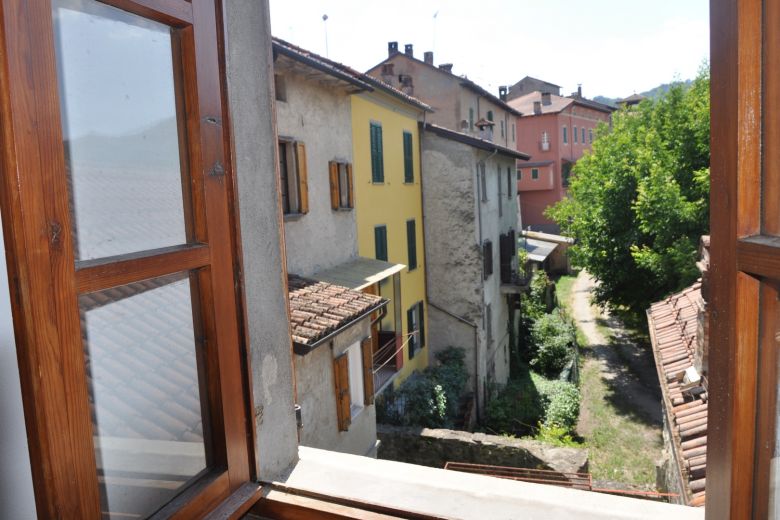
x=356 y=390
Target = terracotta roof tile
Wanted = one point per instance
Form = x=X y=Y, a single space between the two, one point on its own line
x=319 y=308
x=674 y=329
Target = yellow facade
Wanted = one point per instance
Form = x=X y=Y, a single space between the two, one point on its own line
x=391 y=203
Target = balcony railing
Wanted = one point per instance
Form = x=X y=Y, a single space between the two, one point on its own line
x=385 y=360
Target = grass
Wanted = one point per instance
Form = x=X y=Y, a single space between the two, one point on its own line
x=563 y=291
x=620 y=448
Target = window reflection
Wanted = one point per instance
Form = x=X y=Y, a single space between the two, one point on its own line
x=118 y=109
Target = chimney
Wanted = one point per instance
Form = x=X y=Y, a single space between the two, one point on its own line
x=392 y=48
x=409 y=50
x=546 y=98
x=701 y=354
x=446 y=67
x=502 y=91
x=428 y=57
x=537 y=107
x=579 y=90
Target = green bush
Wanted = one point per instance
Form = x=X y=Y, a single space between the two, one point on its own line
x=560 y=401
x=431 y=398
x=552 y=343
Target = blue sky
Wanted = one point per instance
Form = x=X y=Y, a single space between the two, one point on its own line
x=612 y=47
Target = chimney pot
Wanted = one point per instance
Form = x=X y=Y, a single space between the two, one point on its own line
x=502 y=91
x=392 y=48
x=546 y=100
x=579 y=90
x=409 y=50
x=446 y=67
x=537 y=107
x=428 y=57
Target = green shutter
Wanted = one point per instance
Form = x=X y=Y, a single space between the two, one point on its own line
x=411 y=243
x=380 y=242
x=377 y=161
x=410 y=331
x=408 y=158
x=421 y=314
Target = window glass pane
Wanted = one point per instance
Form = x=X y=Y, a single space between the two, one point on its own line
x=143 y=357
x=355 y=379
x=343 y=186
x=121 y=138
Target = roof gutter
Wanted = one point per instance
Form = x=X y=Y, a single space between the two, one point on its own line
x=302 y=350
x=316 y=64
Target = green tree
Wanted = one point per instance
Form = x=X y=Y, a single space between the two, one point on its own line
x=639 y=202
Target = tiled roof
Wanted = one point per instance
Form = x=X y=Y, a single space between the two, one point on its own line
x=525 y=104
x=317 y=309
x=474 y=141
x=345 y=72
x=674 y=332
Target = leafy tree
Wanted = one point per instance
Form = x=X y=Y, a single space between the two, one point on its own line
x=639 y=202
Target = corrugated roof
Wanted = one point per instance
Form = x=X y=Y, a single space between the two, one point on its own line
x=674 y=333
x=539 y=250
x=359 y=273
x=318 y=309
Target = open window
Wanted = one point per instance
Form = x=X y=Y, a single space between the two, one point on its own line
x=117 y=198
x=293 y=177
x=353 y=377
x=341 y=185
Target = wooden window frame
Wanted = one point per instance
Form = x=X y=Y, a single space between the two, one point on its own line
x=296 y=177
x=337 y=187
x=744 y=256
x=534 y=174
x=46 y=279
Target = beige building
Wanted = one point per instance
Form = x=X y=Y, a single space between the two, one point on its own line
x=459 y=104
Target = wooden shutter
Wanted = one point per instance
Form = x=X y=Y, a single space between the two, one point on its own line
x=505 y=252
x=411 y=244
x=487 y=258
x=303 y=177
x=366 y=348
x=343 y=400
x=350 y=186
x=333 y=170
x=408 y=158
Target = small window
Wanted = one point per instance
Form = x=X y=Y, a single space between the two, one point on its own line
x=500 y=196
x=411 y=244
x=471 y=119
x=535 y=173
x=415 y=327
x=489 y=324
x=280 y=86
x=590 y=135
x=380 y=242
x=513 y=132
x=341 y=185
x=583 y=135
x=487 y=259
x=490 y=115
x=408 y=158
x=509 y=190
x=483 y=182
x=293 y=177
x=356 y=395
x=565 y=135
x=502 y=129
x=519 y=174
x=574 y=134
x=377 y=154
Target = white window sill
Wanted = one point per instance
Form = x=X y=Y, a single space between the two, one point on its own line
x=292 y=217
x=449 y=494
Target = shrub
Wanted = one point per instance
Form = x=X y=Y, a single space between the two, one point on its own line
x=560 y=401
x=431 y=398
x=553 y=338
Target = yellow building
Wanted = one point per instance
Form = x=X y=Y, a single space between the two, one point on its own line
x=388 y=204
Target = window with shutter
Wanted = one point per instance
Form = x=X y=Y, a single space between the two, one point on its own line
x=413 y=329
x=333 y=175
x=411 y=243
x=377 y=159
x=487 y=258
x=482 y=181
x=506 y=252
x=421 y=315
x=490 y=115
x=367 y=352
x=471 y=119
x=340 y=175
x=565 y=135
x=408 y=158
x=509 y=190
x=574 y=134
x=583 y=135
x=380 y=242
x=500 y=197
x=343 y=397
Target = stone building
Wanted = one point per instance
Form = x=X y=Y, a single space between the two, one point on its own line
x=470 y=207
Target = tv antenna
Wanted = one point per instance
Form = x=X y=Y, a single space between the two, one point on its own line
x=325 y=23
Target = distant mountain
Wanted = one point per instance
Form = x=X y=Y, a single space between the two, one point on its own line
x=653 y=93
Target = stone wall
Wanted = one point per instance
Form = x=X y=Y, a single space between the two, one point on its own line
x=434 y=448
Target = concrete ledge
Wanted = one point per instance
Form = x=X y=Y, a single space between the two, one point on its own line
x=454 y=495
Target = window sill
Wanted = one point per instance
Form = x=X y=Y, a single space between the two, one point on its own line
x=397 y=488
x=292 y=217
x=344 y=210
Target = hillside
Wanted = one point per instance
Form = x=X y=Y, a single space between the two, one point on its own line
x=653 y=93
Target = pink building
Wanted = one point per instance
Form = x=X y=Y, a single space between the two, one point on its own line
x=556 y=131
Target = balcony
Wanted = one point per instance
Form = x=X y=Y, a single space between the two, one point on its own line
x=386 y=363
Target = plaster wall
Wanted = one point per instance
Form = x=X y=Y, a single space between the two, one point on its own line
x=17 y=499
x=317 y=397
x=250 y=91
x=320 y=117
x=481 y=106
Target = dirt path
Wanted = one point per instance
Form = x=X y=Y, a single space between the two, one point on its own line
x=620 y=415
